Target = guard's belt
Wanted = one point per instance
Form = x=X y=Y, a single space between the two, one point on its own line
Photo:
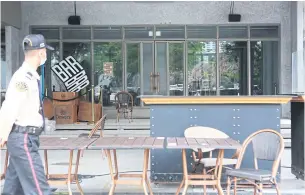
x=27 y=129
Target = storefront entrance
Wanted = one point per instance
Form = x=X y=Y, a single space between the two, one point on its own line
x=170 y=60
x=155 y=68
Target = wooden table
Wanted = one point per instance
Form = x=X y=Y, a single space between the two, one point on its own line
x=71 y=144
x=190 y=143
x=114 y=143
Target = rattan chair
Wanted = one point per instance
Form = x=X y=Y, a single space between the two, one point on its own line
x=124 y=105
x=267 y=145
x=209 y=164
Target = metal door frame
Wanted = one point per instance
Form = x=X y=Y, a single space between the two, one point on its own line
x=167 y=62
x=154 y=68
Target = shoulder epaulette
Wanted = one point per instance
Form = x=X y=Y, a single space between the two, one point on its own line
x=29 y=75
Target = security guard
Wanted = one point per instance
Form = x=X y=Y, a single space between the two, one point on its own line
x=22 y=121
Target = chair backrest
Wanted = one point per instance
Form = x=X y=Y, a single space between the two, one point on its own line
x=100 y=124
x=268 y=145
x=123 y=97
x=204 y=132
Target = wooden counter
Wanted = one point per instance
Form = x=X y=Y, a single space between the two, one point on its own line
x=216 y=99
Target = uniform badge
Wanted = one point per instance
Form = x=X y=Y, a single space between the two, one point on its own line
x=21 y=86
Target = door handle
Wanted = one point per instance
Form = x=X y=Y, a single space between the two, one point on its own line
x=158 y=81
x=151 y=82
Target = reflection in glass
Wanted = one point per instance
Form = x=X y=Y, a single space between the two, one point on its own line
x=264 y=66
x=161 y=68
x=176 y=62
x=201 y=68
x=108 y=71
x=148 y=69
x=52 y=82
x=133 y=70
x=233 y=67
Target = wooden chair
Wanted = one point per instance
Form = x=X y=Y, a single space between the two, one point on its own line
x=124 y=105
x=208 y=163
x=267 y=145
x=100 y=124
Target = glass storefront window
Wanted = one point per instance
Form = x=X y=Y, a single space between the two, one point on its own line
x=76 y=33
x=170 y=32
x=133 y=70
x=233 y=67
x=233 y=32
x=201 y=32
x=264 y=67
x=52 y=82
x=107 y=33
x=48 y=33
x=145 y=32
x=201 y=68
x=163 y=58
x=81 y=52
x=176 y=69
x=264 y=31
x=108 y=70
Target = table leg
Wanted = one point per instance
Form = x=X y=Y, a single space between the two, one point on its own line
x=185 y=173
x=116 y=169
x=144 y=175
x=76 y=172
x=218 y=171
x=113 y=180
x=46 y=165
x=69 y=172
x=144 y=172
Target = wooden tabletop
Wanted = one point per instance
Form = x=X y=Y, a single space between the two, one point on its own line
x=65 y=143
x=189 y=143
x=128 y=143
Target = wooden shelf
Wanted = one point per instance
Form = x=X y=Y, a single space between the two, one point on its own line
x=217 y=100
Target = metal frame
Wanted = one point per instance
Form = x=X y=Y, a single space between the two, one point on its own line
x=155 y=39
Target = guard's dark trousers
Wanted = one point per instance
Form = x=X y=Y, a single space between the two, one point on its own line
x=25 y=174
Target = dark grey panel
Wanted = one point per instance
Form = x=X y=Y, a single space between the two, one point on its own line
x=297 y=139
x=238 y=121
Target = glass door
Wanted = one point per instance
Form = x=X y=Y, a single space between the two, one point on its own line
x=133 y=70
x=176 y=59
x=169 y=68
x=160 y=74
x=155 y=68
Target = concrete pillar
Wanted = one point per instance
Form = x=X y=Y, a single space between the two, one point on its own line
x=297 y=28
x=12 y=43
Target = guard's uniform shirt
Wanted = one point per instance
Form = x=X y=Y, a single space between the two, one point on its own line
x=22 y=101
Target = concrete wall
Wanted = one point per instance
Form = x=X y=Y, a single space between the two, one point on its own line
x=12 y=51
x=11 y=13
x=126 y=13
